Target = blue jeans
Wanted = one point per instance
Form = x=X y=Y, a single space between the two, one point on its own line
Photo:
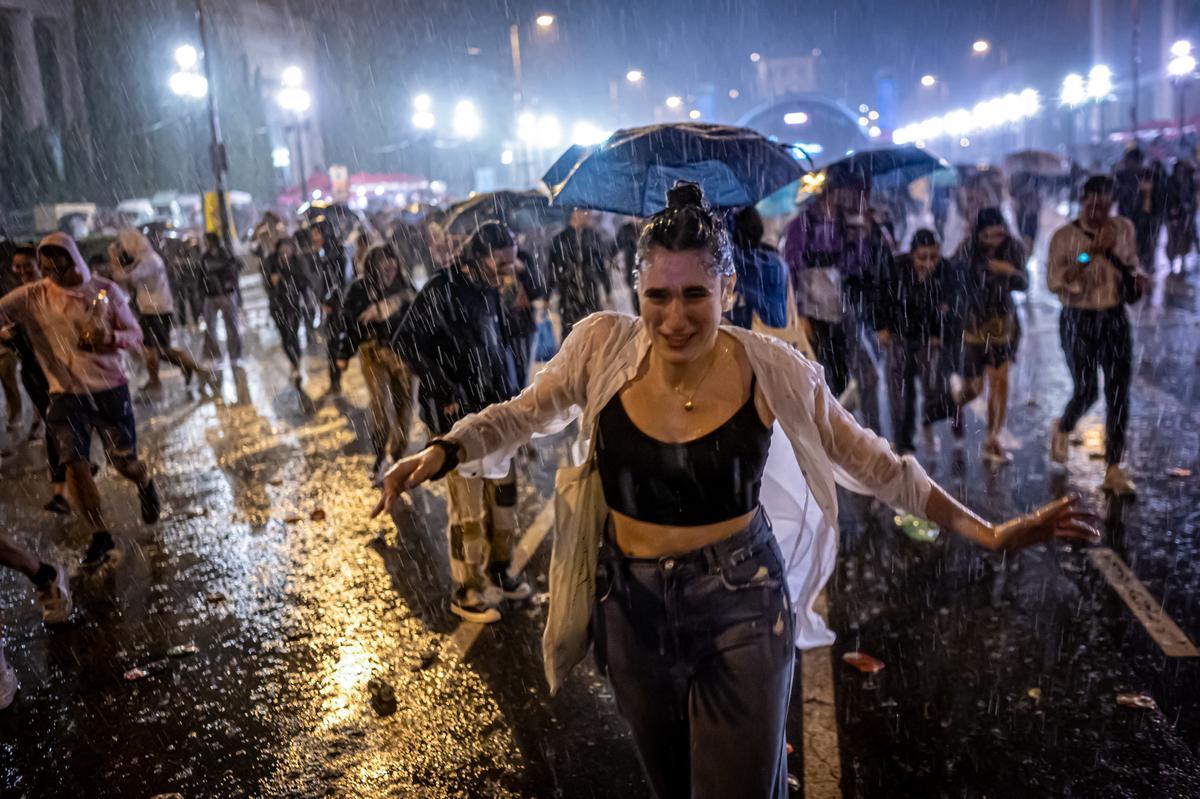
x=699 y=649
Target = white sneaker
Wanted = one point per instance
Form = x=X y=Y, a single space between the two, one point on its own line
x=8 y=682
x=471 y=607
x=1116 y=481
x=1060 y=444
x=56 y=599
x=994 y=452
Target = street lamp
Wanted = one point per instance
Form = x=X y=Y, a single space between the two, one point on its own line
x=1181 y=67
x=981 y=46
x=186 y=57
x=1074 y=91
x=544 y=20
x=674 y=101
x=467 y=122
x=1099 y=82
x=634 y=76
x=294 y=99
x=928 y=80
x=186 y=81
x=423 y=118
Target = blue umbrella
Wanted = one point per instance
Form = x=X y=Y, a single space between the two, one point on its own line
x=631 y=172
x=892 y=166
x=561 y=168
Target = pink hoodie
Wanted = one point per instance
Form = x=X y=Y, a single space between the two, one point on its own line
x=53 y=318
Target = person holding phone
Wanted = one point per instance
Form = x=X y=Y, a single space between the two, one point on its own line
x=1092 y=267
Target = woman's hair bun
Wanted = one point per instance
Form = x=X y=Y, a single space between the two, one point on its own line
x=685 y=194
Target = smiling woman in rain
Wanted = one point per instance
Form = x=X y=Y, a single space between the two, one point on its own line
x=696 y=530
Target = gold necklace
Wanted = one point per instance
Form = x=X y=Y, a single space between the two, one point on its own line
x=688 y=405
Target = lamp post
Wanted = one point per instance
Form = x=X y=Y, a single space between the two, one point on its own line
x=295 y=100
x=1073 y=95
x=189 y=85
x=1181 y=68
x=220 y=163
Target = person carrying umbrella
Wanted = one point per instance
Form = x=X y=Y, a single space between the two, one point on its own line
x=835 y=252
x=761 y=288
x=668 y=533
x=579 y=257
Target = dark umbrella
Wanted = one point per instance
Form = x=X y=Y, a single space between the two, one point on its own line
x=520 y=210
x=631 y=171
x=891 y=166
x=561 y=168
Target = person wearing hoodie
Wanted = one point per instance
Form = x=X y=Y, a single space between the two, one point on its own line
x=142 y=271
x=285 y=275
x=454 y=340
x=761 y=287
x=909 y=326
x=219 y=271
x=371 y=314
x=987 y=268
x=78 y=324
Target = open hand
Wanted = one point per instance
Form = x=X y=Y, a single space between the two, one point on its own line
x=1061 y=518
x=408 y=473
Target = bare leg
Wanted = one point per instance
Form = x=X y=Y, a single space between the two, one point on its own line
x=152 y=363
x=87 y=496
x=997 y=399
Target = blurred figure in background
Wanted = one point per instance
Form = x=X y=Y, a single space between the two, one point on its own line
x=761 y=286
x=333 y=274
x=219 y=271
x=1026 y=197
x=285 y=274
x=579 y=257
x=909 y=324
x=988 y=267
x=1181 y=213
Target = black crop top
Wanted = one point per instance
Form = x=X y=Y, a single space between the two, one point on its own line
x=708 y=480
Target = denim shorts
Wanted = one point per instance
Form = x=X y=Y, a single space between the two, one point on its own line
x=73 y=418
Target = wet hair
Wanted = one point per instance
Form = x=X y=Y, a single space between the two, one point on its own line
x=923 y=238
x=989 y=217
x=283 y=240
x=748 y=228
x=212 y=240
x=487 y=238
x=688 y=223
x=375 y=256
x=1099 y=184
x=26 y=250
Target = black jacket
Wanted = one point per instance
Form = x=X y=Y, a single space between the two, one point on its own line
x=370 y=313
x=454 y=339
x=332 y=275
x=908 y=308
x=579 y=262
x=219 y=272
x=292 y=291
x=979 y=295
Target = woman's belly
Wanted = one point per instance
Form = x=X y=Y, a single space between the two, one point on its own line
x=639 y=539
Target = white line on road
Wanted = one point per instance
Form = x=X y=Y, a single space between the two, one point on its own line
x=1172 y=640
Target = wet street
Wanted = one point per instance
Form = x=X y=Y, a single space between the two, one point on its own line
x=265 y=601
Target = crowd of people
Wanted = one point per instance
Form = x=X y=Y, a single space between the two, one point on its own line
x=678 y=403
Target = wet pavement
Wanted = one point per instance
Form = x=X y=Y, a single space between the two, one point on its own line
x=1001 y=676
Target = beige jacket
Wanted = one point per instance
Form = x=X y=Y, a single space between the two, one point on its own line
x=816 y=446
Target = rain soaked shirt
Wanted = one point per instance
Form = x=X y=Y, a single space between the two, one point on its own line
x=148 y=276
x=53 y=318
x=816 y=446
x=1095 y=286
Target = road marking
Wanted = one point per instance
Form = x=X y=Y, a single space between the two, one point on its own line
x=465 y=635
x=822 y=751
x=1172 y=640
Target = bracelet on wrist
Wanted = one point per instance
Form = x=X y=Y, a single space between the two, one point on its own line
x=450 y=456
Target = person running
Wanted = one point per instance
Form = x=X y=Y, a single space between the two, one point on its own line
x=666 y=547
x=372 y=310
x=1181 y=214
x=453 y=338
x=333 y=274
x=78 y=324
x=761 y=288
x=36 y=385
x=142 y=270
x=285 y=275
x=1092 y=267
x=835 y=253
x=988 y=267
x=909 y=320
x=53 y=594
x=579 y=258
x=219 y=271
